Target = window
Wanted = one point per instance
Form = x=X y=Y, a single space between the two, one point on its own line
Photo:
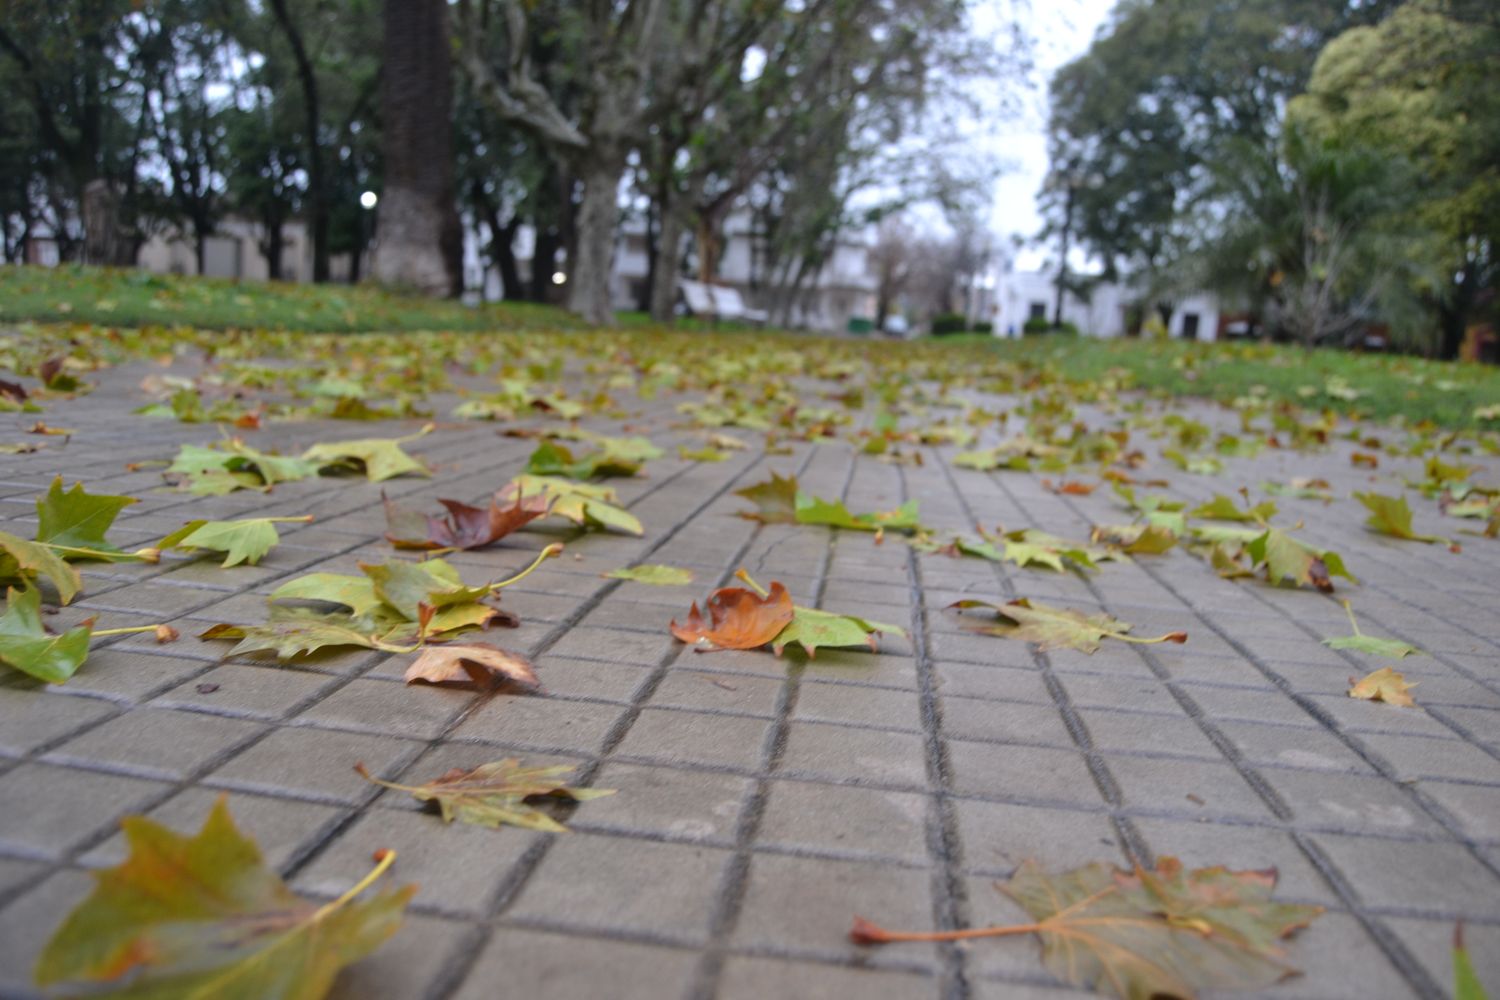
x=1038 y=311
x=1189 y=326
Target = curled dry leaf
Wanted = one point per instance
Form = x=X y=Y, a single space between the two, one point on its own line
x=738 y=619
x=465 y=526
x=475 y=664
x=1384 y=685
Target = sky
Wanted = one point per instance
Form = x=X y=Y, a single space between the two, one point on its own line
x=1062 y=30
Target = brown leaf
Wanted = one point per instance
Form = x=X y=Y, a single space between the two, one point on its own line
x=1365 y=459
x=1069 y=487
x=13 y=391
x=465 y=527
x=1385 y=685
x=738 y=619
x=475 y=664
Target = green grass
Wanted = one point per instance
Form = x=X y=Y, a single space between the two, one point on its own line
x=112 y=297
x=1379 y=386
x=1374 y=385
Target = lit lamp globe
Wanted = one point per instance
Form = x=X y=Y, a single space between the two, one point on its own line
x=369 y=199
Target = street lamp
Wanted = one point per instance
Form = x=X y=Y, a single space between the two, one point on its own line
x=369 y=199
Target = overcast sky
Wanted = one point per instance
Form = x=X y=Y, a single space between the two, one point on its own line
x=1062 y=30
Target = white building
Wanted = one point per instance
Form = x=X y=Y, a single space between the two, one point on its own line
x=1025 y=295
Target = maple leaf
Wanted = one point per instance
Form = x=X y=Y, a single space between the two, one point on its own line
x=25 y=561
x=1392 y=516
x=292 y=632
x=1069 y=487
x=357 y=593
x=77 y=520
x=475 y=664
x=1147 y=933
x=25 y=644
x=660 y=576
x=1302 y=487
x=811 y=628
x=405 y=586
x=1032 y=547
x=378 y=458
x=1135 y=539
x=585 y=504
x=1384 y=685
x=203 y=916
x=738 y=619
x=1392 y=649
x=833 y=514
x=1285 y=558
x=464 y=527
x=497 y=794
x=1222 y=508
x=242 y=541
x=775 y=500
x=554 y=460
x=1055 y=628
x=232 y=465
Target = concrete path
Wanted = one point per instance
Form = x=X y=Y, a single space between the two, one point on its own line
x=764 y=802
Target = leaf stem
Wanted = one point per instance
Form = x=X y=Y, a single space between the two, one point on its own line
x=123 y=631
x=865 y=932
x=304 y=519
x=555 y=549
x=98 y=553
x=742 y=575
x=1169 y=637
x=1348 y=610
x=387 y=858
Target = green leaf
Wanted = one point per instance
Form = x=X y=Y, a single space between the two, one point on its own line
x=203 y=916
x=499 y=794
x=660 y=576
x=811 y=628
x=76 y=519
x=1222 y=508
x=1466 y=985
x=1391 y=516
x=242 y=541
x=1032 y=547
x=25 y=561
x=378 y=458
x=551 y=459
x=357 y=593
x=1135 y=539
x=585 y=504
x=26 y=646
x=833 y=513
x=1390 y=648
x=1288 y=560
x=405 y=585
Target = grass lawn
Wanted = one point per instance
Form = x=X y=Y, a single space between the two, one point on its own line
x=1378 y=386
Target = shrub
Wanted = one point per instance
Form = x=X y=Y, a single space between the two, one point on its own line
x=984 y=326
x=1036 y=325
x=949 y=323
x=1067 y=329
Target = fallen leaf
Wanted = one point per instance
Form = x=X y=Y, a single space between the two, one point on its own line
x=464 y=527
x=497 y=794
x=811 y=629
x=775 y=500
x=1147 y=933
x=1364 y=459
x=75 y=519
x=1055 y=628
x=1466 y=985
x=585 y=504
x=26 y=645
x=475 y=664
x=378 y=458
x=1135 y=539
x=1384 y=685
x=1287 y=559
x=738 y=619
x=1392 y=516
x=660 y=576
x=1069 y=487
x=203 y=916
x=242 y=541
x=1392 y=649
x=24 y=561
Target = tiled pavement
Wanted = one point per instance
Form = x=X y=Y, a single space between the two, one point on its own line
x=764 y=802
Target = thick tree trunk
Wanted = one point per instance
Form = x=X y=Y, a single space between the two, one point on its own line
x=420 y=243
x=102 y=240
x=593 y=261
x=317 y=179
x=668 y=263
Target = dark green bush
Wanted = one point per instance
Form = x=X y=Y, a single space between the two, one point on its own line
x=984 y=326
x=949 y=323
x=1036 y=325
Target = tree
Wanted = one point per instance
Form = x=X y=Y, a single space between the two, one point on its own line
x=1419 y=89
x=589 y=118
x=421 y=243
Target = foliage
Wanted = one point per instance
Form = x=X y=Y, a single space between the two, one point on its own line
x=502 y=793
x=185 y=916
x=949 y=323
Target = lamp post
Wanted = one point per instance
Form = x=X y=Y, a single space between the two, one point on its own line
x=367 y=201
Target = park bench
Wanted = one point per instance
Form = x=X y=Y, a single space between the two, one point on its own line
x=719 y=302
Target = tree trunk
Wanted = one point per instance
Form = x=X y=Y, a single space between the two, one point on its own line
x=421 y=242
x=668 y=262
x=317 y=180
x=200 y=249
x=101 y=224
x=503 y=249
x=593 y=262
